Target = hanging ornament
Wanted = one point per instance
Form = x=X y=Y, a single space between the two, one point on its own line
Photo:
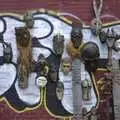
x=96 y=24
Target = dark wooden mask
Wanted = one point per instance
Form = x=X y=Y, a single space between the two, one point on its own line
x=22 y=36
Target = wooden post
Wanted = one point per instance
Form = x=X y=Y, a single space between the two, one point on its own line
x=116 y=89
x=76 y=88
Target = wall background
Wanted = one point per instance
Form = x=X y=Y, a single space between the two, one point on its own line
x=80 y=8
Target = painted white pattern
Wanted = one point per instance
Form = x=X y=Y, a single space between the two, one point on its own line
x=31 y=94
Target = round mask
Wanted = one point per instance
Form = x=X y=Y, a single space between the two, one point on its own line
x=90 y=51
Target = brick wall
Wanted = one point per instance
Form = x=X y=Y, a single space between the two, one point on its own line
x=80 y=8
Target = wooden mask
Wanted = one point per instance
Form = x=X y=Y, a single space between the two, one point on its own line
x=58 y=44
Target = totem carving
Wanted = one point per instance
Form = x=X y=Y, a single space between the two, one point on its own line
x=24 y=45
x=74 y=51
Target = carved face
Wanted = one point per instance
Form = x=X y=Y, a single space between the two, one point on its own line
x=53 y=73
x=29 y=20
x=66 y=66
x=7 y=53
x=76 y=36
x=60 y=90
x=22 y=36
x=58 y=44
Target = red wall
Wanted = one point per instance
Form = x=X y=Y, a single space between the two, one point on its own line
x=80 y=8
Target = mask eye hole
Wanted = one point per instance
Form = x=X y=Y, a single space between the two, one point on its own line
x=66 y=66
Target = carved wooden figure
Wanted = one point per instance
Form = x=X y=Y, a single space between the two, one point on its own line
x=24 y=45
